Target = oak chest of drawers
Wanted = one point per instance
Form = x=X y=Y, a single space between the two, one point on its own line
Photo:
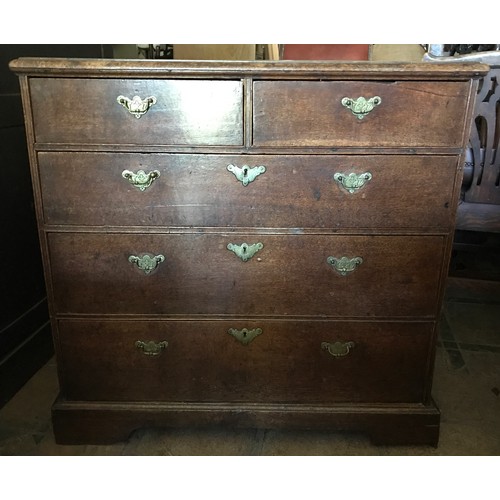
x=245 y=244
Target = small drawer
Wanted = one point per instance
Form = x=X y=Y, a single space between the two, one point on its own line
x=246 y=274
x=404 y=114
x=284 y=362
x=278 y=191
x=181 y=112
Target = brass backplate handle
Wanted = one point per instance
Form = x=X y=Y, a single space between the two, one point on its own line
x=244 y=335
x=146 y=262
x=352 y=182
x=338 y=349
x=245 y=251
x=141 y=180
x=246 y=174
x=361 y=106
x=344 y=265
x=136 y=106
x=151 y=348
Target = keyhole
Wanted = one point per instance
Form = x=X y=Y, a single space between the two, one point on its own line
x=244 y=248
x=245 y=171
x=244 y=334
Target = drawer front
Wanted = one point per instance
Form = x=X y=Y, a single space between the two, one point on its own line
x=292 y=275
x=286 y=362
x=293 y=191
x=185 y=112
x=299 y=113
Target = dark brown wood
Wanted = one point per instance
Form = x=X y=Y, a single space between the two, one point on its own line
x=203 y=362
x=312 y=114
x=287 y=70
x=186 y=112
x=102 y=423
x=288 y=118
x=295 y=191
x=289 y=276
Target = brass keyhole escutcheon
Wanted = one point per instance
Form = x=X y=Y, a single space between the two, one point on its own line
x=246 y=174
x=244 y=335
x=245 y=251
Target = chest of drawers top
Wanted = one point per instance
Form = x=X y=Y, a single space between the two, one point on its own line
x=246 y=105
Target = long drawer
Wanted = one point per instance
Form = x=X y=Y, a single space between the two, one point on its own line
x=276 y=191
x=177 y=112
x=285 y=361
x=302 y=113
x=245 y=274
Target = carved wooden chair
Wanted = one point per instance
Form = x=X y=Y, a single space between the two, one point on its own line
x=478 y=216
x=479 y=209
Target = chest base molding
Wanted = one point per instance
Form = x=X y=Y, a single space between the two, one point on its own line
x=106 y=423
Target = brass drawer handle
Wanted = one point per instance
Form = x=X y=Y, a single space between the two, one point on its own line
x=141 y=180
x=352 y=182
x=361 y=106
x=246 y=174
x=245 y=251
x=338 y=349
x=151 y=348
x=136 y=106
x=344 y=265
x=244 y=336
x=146 y=263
